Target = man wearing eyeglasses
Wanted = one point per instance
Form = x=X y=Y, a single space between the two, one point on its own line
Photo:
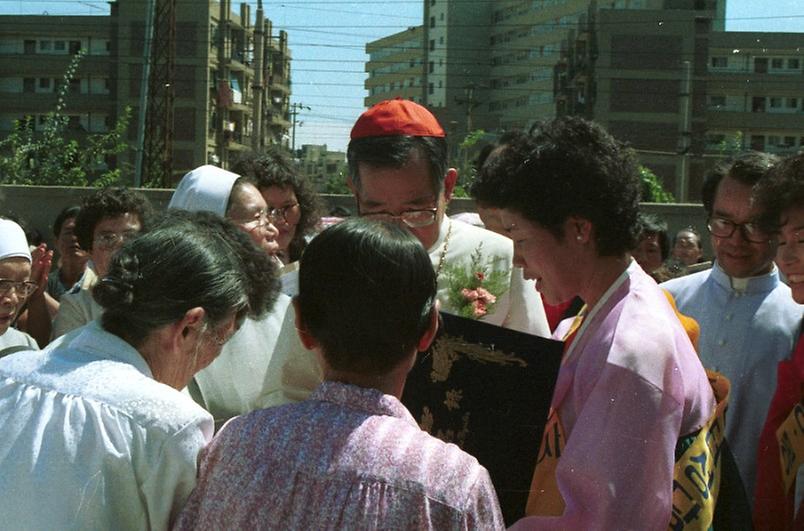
x=748 y=319
x=398 y=172
x=108 y=218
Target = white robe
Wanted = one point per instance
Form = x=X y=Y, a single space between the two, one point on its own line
x=91 y=440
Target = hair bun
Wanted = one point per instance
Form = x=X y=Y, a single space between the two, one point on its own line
x=117 y=287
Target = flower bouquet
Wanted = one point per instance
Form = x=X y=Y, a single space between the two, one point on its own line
x=473 y=290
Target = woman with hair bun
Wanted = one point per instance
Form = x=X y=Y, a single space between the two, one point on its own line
x=97 y=433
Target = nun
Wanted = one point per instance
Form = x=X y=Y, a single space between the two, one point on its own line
x=265 y=363
x=15 y=286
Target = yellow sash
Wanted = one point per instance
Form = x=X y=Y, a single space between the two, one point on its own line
x=791 y=445
x=696 y=476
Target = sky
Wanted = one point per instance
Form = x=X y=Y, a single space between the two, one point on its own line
x=327 y=42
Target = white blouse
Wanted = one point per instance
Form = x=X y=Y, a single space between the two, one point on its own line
x=91 y=440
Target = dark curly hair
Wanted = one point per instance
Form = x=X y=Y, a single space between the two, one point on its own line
x=273 y=167
x=188 y=259
x=110 y=203
x=651 y=224
x=366 y=294
x=780 y=190
x=746 y=168
x=567 y=167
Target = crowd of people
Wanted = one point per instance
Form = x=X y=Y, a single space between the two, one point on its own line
x=230 y=363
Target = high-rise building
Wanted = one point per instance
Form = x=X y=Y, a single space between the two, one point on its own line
x=679 y=92
x=213 y=77
x=396 y=67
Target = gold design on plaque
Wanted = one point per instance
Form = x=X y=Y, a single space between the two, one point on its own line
x=447 y=349
x=453 y=399
x=451 y=436
x=427 y=420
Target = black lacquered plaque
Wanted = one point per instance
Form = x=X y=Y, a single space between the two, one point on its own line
x=488 y=390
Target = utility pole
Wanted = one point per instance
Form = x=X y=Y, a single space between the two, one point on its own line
x=259 y=32
x=295 y=109
x=685 y=134
x=146 y=74
x=471 y=103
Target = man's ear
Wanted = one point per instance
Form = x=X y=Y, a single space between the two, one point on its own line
x=429 y=335
x=307 y=340
x=450 y=180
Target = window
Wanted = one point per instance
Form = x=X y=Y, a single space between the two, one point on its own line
x=775 y=103
x=758 y=142
x=717 y=101
x=758 y=104
x=75 y=86
x=431 y=67
x=761 y=65
x=75 y=47
x=432 y=44
x=432 y=22
x=59 y=46
x=793 y=64
x=430 y=88
x=441 y=40
x=29 y=84
x=789 y=142
x=792 y=103
x=74 y=122
x=29 y=47
x=44 y=46
x=44 y=83
x=777 y=63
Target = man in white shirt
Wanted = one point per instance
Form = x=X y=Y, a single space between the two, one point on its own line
x=398 y=171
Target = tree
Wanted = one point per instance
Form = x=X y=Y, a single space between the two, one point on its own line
x=731 y=145
x=50 y=158
x=466 y=170
x=652 y=190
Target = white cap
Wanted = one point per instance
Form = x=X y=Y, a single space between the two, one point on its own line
x=13 y=242
x=204 y=189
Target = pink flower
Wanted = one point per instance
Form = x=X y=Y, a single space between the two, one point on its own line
x=479 y=308
x=480 y=276
x=486 y=296
x=470 y=294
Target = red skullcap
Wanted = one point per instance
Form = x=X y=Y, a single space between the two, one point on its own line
x=397 y=117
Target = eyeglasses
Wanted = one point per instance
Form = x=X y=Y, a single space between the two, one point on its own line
x=411 y=218
x=113 y=240
x=22 y=289
x=287 y=214
x=259 y=219
x=724 y=228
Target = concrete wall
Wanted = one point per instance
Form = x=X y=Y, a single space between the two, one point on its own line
x=39 y=206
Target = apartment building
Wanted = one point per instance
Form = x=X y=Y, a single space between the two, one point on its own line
x=35 y=52
x=319 y=164
x=396 y=67
x=678 y=91
x=213 y=79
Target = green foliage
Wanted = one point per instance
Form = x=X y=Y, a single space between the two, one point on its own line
x=50 y=158
x=336 y=184
x=731 y=145
x=466 y=169
x=652 y=190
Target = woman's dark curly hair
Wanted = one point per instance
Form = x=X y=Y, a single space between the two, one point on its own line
x=273 y=167
x=567 y=167
x=779 y=191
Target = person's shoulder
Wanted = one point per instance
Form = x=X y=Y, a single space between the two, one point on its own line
x=16 y=338
x=687 y=282
x=470 y=237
